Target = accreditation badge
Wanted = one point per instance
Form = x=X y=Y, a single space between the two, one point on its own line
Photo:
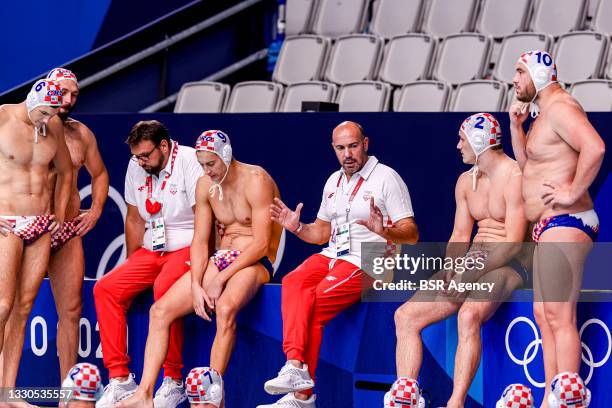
x=343 y=239
x=158 y=234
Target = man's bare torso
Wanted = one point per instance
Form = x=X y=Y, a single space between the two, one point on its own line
x=549 y=158
x=74 y=133
x=24 y=165
x=235 y=212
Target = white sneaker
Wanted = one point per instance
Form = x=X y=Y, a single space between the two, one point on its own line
x=117 y=391
x=289 y=379
x=170 y=394
x=289 y=401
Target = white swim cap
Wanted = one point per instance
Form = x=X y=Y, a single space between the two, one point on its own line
x=482 y=131
x=405 y=392
x=516 y=396
x=62 y=74
x=568 y=390
x=543 y=72
x=204 y=385
x=217 y=142
x=85 y=382
x=44 y=92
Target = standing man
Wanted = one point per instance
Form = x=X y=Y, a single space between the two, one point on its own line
x=560 y=157
x=238 y=195
x=67 y=263
x=331 y=281
x=160 y=193
x=490 y=196
x=31 y=138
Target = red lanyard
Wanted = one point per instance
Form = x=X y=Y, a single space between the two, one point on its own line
x=153 y=206
x=352 y=196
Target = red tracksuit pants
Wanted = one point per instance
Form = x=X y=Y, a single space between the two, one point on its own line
x=113 y=295
x=312 y=295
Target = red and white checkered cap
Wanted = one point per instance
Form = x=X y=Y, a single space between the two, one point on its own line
x=44 y=92
x=541 y=68
x=568 y=391
x=85 y=382
x=204 y=385
x=62 y=74
x=215 y=141
x=482 y=131
x=516 y=396
x=405 y=393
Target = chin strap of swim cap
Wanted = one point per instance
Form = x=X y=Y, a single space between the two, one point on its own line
x=482 y=131
x=44 y=92
x=217 y=142
x=543 y=72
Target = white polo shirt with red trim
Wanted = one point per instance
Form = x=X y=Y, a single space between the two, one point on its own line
x=177 y=198
x=390 y=195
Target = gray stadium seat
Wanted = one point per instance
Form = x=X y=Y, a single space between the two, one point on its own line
x=301 y=58
x=396 y=17
x=499 y=18
x=254 y=96
x=354 y=57
x=202 y=97
x=407 y=58
x=556 y=17
x=364 y=96
x=299 y=92
x=511 y=49
x=479 y=96
x=338 y=17
x=594 y=95
x=602 y=20
x=446 y=17
x=422 y=96
x=580 y=56
x=462 y=57
x=298 y=16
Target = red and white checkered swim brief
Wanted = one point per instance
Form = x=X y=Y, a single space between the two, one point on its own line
x=29 y=227
x=67 y=232
x=224 y=258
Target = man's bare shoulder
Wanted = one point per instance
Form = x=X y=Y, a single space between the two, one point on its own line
x=464 y=181
x=7 y=112
x=86 y=134
x=257 y=174
x=565 y=107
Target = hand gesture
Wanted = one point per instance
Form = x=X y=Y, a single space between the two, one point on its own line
x=280 y=213
x=519 y=112
x=86 y=221
x=375 y=222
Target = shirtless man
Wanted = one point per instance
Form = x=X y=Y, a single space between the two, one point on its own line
x=489 y=195
x=237 y=195
x=560 y=157
x=67 y=263
x=31 y=138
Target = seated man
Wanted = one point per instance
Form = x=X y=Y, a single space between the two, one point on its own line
x=227 y=281
x=490 y=195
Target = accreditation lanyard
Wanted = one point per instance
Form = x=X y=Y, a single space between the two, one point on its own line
x=351 y=197
x=152 y=205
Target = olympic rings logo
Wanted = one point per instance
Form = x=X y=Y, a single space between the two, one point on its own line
x=531 y=351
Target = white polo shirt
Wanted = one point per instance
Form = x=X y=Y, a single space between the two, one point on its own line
x=390 y=195
x=178 y=196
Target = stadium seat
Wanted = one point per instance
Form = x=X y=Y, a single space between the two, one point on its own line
x=602 y=20
x=556 y=17
x=580 y=56
x=334 y=18
x=354 y=57
x=462 y=57
x=446 y=17
x=608 y=69
x=202 y=97
x=301 y=58
x=479 y=96
x=298 y=16
x=511 y=49
x=254 y=96
x=594 y=95
x=299 y=92
x=422 y=96
x=364 y=96
x=396 y=17
x=407 y=58
x=499 y=18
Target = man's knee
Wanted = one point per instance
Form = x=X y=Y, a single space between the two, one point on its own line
x=70 y=311
x=226 y=315
x=469 y=320
x=159 y=315
x=407 y=318
x=538 y=313
x=557 y=318
x=5 y=310
x=101 y=289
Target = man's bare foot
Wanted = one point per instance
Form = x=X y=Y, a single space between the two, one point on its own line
x=138 y=400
